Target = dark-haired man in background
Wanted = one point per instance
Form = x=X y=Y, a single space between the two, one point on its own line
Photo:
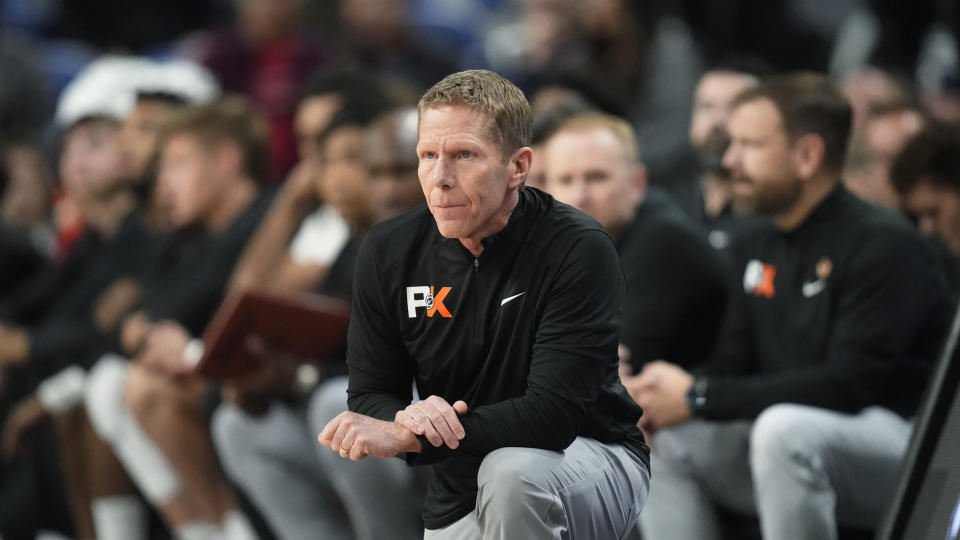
x=926 y=176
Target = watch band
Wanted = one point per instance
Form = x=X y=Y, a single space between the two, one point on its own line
x=697 y=394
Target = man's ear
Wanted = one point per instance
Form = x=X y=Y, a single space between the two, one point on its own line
x=520 y=163
x=808 y=153
x=639 y=184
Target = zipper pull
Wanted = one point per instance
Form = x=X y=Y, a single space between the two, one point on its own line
x=476 y=264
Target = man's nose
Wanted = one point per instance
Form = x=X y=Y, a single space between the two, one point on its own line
x=580 y=196
x=731 y=157
x=442 y=174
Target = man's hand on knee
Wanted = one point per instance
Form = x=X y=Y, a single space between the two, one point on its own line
x=435 y=419
x=356 y=436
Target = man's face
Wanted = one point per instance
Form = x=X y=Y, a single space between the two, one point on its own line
x=343 y=180
x=463 y=177
x=392 y=184
x=937 y=211
x=883 y=138
x=590 y=170
x=138 y=136
x=90 y=161
x=712 y=105
x=760 y=159
x=186 y=181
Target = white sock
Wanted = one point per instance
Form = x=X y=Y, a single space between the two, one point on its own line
x=119 y=517
x=199 y=531
x=236 y=526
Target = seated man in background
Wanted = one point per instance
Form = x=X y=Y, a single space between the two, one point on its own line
x=926 y=175
x=212 y=159
x=264 y=434
x=48 y=322
x=802 y=414
x=301 y=236
x=885 y=131
x=709 y=138
x=676 y=291
x=504 y=307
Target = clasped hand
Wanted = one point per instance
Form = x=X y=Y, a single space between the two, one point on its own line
x=355 y=436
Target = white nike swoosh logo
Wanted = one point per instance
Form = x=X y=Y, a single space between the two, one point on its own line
x=813 y=288
x=509 y=298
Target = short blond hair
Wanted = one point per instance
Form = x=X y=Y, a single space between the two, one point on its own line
x=232 y=119
x=486 y=92
x=620 y=128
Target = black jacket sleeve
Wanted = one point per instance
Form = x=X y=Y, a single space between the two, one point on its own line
x=381 y=371
x=574 y=355
x=878 y=315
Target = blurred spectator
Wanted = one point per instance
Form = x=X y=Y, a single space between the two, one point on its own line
x=376 y=35
x=390 y=154
x=676 y=292
x=21 y=258
x=264 y=54
x=26 y=200
x=801 y=416
x=926 y=175
x=872 y=88
x=49 y=323
x=301 y=237
x=266 y=433
x=212 y=161
x=551 y=105
x=550 y=109
x=873 y=150
x=160 y=90
x=709 y=138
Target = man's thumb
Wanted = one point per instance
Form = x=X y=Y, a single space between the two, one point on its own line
x=460 y=407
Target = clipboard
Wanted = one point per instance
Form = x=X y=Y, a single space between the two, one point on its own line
x=309 y=326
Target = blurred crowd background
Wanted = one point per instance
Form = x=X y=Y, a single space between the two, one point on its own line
x=318 y=96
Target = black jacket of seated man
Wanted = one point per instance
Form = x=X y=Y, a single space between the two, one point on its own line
x=676 y=286
x=526 y=334
x=189 y=272
x=845 y=311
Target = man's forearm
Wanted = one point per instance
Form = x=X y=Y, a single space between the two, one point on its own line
x=271 y=241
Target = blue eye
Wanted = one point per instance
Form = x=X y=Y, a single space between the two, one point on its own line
x=428 y=155
x=465 y=153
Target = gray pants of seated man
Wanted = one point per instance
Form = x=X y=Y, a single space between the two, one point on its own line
x=590 y=491
x=302 y=487
x=800 y=469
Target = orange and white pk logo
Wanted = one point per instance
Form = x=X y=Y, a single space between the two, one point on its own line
x=425 y=297
x=758 y=279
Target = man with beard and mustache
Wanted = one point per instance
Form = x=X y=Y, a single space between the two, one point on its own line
x=801 y=415
x=712 y=104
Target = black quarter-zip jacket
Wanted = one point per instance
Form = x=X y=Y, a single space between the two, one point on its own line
x=844 y=312
x=526 y=334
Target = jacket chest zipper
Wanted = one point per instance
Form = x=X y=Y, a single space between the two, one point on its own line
x=478 y=311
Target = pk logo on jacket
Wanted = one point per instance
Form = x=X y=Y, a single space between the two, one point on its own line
x=758 y=279
x=425 y=297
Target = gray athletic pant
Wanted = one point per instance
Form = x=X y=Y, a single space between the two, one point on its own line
x=799 y=469
x=302 y=487
x=590 y=491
